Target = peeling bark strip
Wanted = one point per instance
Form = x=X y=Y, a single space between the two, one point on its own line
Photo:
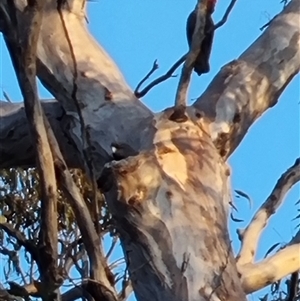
x=171 y=204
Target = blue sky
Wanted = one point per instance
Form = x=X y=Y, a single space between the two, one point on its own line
x=136 y=32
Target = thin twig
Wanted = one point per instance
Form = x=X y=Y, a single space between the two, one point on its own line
x=162 y=78
x=113 y=244
x=5 y=95
x=226 y=15
x=268 y=23
x=285 y=3
x=154 y=67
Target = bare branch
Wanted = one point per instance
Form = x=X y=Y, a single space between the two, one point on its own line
x=72 y=260
x=162 y=78
x=26 y=73
x=98 y=265
x=21 y=239
x=226 y=15
x=285 y=3
x=5 y=296
x=14 y=259
x=251 y=235
x=268 y=23
x=169 y=73
x=154 y=67
x=5 y=95
x=293 y=286
x=258 y=275
x=235 y=98
x=16 y=149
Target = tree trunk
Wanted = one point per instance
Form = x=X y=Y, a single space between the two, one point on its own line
x=171 y=206
x=170 y=202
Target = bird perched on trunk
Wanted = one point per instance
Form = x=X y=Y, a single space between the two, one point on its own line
x=202 y=61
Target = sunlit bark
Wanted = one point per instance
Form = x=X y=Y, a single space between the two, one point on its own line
x=170 y=201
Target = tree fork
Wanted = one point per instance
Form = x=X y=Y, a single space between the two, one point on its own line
x=170 y=204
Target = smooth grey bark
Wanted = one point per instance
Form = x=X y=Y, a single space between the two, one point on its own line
x=16 y=149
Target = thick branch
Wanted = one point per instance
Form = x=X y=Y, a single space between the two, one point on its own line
x=105 y=99
x=26 y=74
x=258 y=275
x=16 y=149
x=35 y=288
x=245 y=88
x=251 y=235
x=239 y=94
x=98 y=265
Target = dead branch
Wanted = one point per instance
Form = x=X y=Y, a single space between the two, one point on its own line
x=226 y=15
x=162 y=78
x=154 y=67
x=250 y=236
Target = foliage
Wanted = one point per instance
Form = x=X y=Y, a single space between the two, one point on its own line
x=20 y=207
